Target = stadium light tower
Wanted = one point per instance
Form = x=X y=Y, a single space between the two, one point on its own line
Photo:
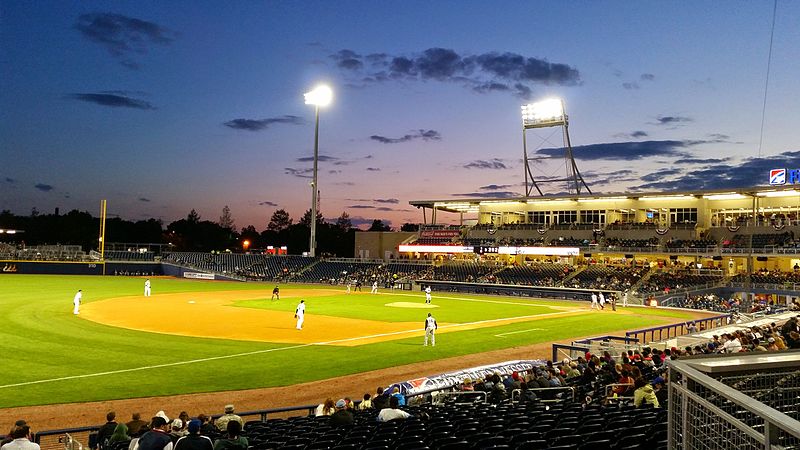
x=545 y=114
x=320 y=96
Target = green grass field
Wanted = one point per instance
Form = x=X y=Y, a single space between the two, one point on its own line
x=51 y=356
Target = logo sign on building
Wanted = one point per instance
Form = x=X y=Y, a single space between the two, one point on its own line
x=777 y=176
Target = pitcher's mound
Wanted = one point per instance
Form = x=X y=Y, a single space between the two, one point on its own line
x=411 y=305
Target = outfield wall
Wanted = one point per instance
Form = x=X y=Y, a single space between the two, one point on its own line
x=79 y=268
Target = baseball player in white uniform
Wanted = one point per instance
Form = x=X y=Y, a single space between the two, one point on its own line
x=430 y=330
x=374 y=287
x=428 y=294
x=300 y=313
x=76 y=302
x=147 y=287
x=594 y=301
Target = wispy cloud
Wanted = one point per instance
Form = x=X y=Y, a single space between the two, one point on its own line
x=425 y=135
x=494 y=163
x=629 y=150
x=673 y=120
x=484 y=72
x=298 y=172
x=113 y=100
x=44 y=187
x=262 y=124
x=123 y=36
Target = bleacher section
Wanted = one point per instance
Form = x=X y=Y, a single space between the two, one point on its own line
x=534 y=275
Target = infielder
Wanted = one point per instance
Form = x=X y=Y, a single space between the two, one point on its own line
x=594 y=301
x=300 y=313
x=276 y=293
x=430 y=330
x=374 y=287
x=428 y=294
x=76 y=302
x=147 y=287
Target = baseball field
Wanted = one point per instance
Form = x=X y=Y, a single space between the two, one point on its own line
x=210 y=336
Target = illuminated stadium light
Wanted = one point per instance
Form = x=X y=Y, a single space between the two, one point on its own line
x=545 y=113
x=601 y=199
x=667 y=197
x=729 y=196
x=320 y=96
x=772 y=194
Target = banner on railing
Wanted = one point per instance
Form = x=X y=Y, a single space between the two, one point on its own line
x=447 y=380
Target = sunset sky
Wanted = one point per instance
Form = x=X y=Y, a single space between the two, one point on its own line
x=162 y=107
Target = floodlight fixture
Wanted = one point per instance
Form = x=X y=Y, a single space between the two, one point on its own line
x=545 y=113
x=320 y=96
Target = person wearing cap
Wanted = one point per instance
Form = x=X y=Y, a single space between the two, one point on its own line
x=233 y=441
x=194 y=440
x=300 y=313
x=430 y=330
x=76 y=302
x=176 y=430
x=342 y=416
x=21 y=439
x=222 y=422
x=157 y=438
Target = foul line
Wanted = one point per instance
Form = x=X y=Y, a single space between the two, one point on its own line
x=521 y=331
x=257 y=352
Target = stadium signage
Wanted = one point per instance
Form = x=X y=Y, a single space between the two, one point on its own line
x=783 y=176
x=198 y=275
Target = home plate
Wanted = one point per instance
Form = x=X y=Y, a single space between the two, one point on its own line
x=520 y=331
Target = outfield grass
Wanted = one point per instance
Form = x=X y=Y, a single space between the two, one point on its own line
x=44 y=342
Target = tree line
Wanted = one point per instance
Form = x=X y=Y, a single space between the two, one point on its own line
x=192 y=233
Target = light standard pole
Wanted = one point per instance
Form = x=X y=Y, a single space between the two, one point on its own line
x=320 y=96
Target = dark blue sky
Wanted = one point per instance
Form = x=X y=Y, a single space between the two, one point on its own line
x=161 y=107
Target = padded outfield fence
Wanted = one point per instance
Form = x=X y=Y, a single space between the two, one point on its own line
x=739 y=401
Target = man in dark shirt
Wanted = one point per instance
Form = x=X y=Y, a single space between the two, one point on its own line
x=194 y=441
x=342 y=417
x=107 y=430
x=158 y=436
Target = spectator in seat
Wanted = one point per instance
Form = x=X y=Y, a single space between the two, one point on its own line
x=119 y=439
x=233 y=441
x=392 y=412
x=222 y=422
x=8 y=438
x=644 y=394
x=157 y=438
x=342 y=416
x=193 y=440
x=136 y=424
x=380 y=401
x=21 y=439
x=366 y=403
x=327 y=408
x=105 y=432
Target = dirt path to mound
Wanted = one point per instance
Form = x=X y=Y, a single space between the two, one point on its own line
x=354 y=386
